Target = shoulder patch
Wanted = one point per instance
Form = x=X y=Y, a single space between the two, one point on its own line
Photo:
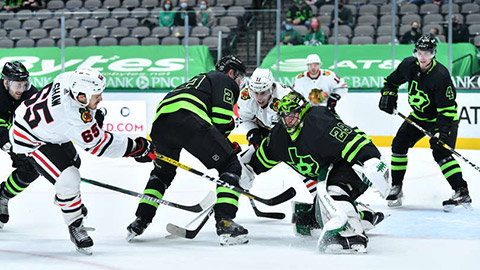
x=274 y=104
x=299 y=75
x=85 y=115
x=327 y=72
x=244 y=94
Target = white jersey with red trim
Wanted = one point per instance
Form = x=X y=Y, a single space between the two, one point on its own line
x=327 y=82
x=253 y=116
x=53 y=116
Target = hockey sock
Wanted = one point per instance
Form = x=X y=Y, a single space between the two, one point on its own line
x=398 y=168
x=226 y=205
x=13 y=186
x=452 y=172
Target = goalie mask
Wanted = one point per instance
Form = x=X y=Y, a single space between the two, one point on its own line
x=86 y=81
x=261 y=86
x=292 y=109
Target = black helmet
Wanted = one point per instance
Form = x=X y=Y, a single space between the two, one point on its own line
x=426 y=43
x=14 y=71
x=231 y=62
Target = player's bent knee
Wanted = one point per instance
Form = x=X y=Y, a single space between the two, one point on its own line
x=68 y=182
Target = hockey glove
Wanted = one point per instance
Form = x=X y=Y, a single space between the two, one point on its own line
x=236 y=148
x=332 y=101
x=440 y=137
x=388 y=101
x=255 y=136
x=142 y=150
x=248 y=175
x=99 y=117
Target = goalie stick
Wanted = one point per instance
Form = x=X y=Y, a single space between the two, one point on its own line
x=285 y=196
x=427 y=133
x=197 y=208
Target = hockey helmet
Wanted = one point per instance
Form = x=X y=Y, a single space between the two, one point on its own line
x=314 y=58
x=231 y=62
x=292 y=109
x=87 y=81
x=426 y=43
x=15 y=71
x=261 y=80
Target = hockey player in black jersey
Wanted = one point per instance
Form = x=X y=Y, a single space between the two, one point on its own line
x=197 y=116
x=15 y=87
x=431 y=95
x=317 y=144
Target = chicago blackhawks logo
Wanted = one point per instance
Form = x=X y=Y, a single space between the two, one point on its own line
x=85 y=115
x=274 y=104
x=244 y=95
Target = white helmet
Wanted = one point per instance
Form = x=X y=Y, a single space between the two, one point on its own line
x=87 y=81
x=261 y=80
x=314 y=58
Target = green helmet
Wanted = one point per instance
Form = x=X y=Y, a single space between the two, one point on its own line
x=292 y=109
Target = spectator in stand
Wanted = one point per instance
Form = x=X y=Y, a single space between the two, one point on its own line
x=417 y=2
x=434 y=33
x=300 y=13
x=32 y=4
x=290 y=36
x=320 y=3
x=315 y=35
x=167 y=14
x=436 y=2
x=205 y=15
x=181 y=13
x=460 y=31
x=12 y=5
x=344 y=16
x=413 y=35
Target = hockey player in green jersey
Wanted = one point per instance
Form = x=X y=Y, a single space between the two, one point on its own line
x=317 y=144
x=431 y=95
x=198 y=116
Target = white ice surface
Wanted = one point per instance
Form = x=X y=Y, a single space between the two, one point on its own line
x=417 y=236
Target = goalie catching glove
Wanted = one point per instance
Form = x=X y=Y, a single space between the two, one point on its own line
x=141 y=149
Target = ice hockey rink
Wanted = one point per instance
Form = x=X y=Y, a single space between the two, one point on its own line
x=417 y=236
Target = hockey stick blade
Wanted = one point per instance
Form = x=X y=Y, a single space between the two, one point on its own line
x=185 y=233
x=285 y=196
x=197 y=208
x=272 y=215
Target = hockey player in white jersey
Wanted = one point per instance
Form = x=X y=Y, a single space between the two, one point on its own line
x=320 y=86
x=44 y=128
x=258 y=105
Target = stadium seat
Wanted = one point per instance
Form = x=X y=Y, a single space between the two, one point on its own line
x=149 y=41
x=140 y=32
x=87 y=41
x=108 y=41
x=37 y=34
x=160 y=31
x=45 y=42
x=170 y=41
x=128 y=41
x=362 y=40
x=25 y=43
x=191 y=41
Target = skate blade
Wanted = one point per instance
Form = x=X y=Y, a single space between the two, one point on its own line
x=130 y=236
x=86 y=250
x=227 y=240
x=1 y=225
x=395 y=203
x=338 y=249
x=451 y=207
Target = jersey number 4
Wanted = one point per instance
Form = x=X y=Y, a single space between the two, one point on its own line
x=36 y=103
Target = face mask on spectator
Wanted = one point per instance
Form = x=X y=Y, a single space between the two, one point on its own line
x=167 y=6
x=203 y=6
x=288 y=27
x=183 y=5
x=314 y=24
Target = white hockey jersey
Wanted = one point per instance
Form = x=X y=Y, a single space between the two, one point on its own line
x=253 y=116
x=52 y=116
x=328 y=82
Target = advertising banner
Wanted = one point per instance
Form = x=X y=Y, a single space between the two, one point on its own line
x=365 y=66
x=125 y=117
x=133 y=68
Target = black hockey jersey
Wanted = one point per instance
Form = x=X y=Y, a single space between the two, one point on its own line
x=324 y=139
x=431 y=94
x=8 y=105
x=210 y=95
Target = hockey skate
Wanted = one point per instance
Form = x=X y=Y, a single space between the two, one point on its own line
x=79 y=236
x=334 y=243
x=371 y=219
x=303 y=218
x=395 y=196
x=3 y=211
x=136 y=228
x=460 y=197
x=231 y=233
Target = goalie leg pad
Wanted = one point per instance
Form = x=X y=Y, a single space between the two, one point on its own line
x=375 y=172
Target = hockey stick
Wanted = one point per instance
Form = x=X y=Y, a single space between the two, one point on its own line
x=259 y=213
x=427 y=133
x=285 y=196
x=208 y=200
x=190 y=234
